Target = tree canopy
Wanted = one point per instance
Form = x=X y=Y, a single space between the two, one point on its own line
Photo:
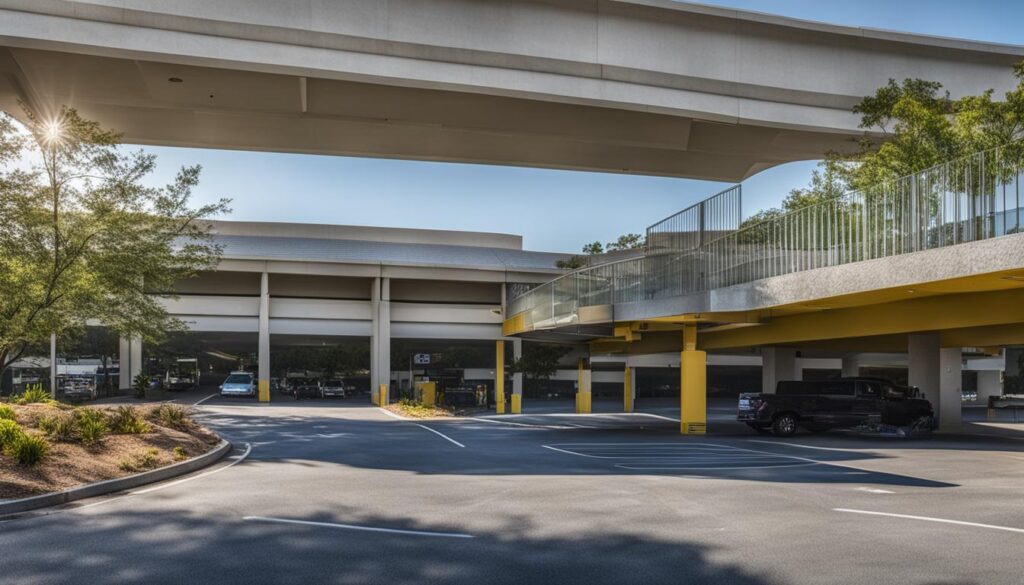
x=85 y=239
x=911 y=126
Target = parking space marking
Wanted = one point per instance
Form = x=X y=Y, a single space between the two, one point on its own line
x=442 y=435
x=356 y=527
x=202 y=400
x=391 y=414
x=679 y=456
x=930 y=519
x=874 y=490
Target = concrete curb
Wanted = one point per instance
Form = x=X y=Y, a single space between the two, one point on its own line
x=115 y=485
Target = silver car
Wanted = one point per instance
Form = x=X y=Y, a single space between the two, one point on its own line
x=238 y=384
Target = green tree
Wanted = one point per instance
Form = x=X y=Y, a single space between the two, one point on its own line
x=593 y=248
x=627 y=242
x=571 y=263
x=538 y=362
x=84 y=238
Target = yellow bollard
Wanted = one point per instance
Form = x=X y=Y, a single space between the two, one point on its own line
x=382 y=393
x=517 y=404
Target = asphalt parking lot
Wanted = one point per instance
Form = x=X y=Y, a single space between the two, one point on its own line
x=350 y=494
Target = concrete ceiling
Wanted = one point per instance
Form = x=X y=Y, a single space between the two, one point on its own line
x=630 y=86
x=245 y=110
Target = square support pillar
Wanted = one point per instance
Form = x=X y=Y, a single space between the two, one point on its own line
x=936 y=372
x=129 y=361
x=693 y=411
x=517 y=378
x=380 y=339
x=627 y=389
x=584 y=401
x=263 y=343
x=499 y=376
x=950 y=389
x=851 y=365
x=777 y=364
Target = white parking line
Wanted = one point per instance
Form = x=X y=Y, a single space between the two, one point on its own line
x=354 y=527
x=204 y=400
x=930 y=519
x=799 y=445
x=874 y=490
x=442 y=435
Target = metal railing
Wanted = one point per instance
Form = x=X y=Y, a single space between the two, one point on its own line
x=700 y=223
x=969 y=199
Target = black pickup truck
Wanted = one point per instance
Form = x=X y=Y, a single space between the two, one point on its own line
x=834 y=404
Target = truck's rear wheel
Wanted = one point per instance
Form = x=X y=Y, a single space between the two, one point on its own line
x=784 y=425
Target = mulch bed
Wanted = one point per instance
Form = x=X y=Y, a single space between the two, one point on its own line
x=69 y=464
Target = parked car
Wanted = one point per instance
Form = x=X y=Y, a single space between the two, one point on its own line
x=834 y=404
x=305 y=388
x=238 y=384
x=333 y=387
x=275 y=385
x=77 y=386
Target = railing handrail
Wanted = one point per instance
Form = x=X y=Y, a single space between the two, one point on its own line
x=697 y=204
x=794 y=223
x=853 y=192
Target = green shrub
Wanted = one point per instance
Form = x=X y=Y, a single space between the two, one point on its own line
x=140 y=384
x=125 y=420
x=6 y=412
x=92 y=426
x=9 y=431
x=59 y=426
x=33 y=396
x=27 y=449
x=180 y=454
x=140 y=461
x=171 y=416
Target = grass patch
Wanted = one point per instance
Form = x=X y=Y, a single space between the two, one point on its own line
x=27 y=450
x=33 y=396
x=126 y=420
x=92 y=426
x=171 y=416
x=6 y=412
x=179 y=452
x=9 y=431
x=59 y=426
x=141 y=461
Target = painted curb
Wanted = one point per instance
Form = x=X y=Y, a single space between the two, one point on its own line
x=116 y=485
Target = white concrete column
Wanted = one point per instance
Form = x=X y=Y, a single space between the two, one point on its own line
x=374 y=347
x=263 y=344
x=990 y=383
x=53 y=365
x=380 y=336
x=851 y=365
x=124 y=379
x=384 y=332
x=129 y=361
x=777 y=363
x=517 y=377
x=950 y=388
x=936 y=372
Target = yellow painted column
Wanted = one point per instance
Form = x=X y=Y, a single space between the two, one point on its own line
x=693 y=363
x=517 y=404
x=627 y=390
x=382 y=393
x=264 y=390
x=583 y=396
x=499 y=377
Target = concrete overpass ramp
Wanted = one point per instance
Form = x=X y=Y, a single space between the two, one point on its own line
x=636 y=86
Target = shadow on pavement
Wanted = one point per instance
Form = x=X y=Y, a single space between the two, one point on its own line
x=181 y=546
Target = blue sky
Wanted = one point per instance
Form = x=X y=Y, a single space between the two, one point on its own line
x=553 y=210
